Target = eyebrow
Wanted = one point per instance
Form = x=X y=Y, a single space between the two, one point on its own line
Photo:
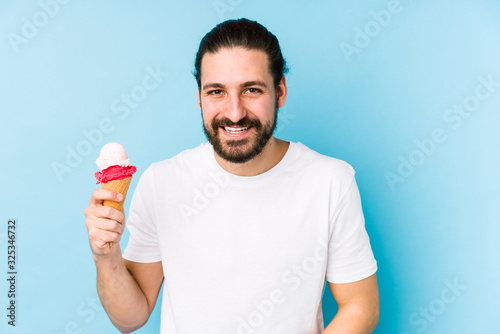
x=254 y=83
x=243 y=85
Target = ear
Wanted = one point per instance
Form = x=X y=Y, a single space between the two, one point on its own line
x=281 y=92
x=199 y=98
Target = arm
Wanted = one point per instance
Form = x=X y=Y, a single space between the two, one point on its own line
x=358 y=307
x=127 y=290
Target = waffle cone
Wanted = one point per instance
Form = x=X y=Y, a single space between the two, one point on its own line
x=120 y=186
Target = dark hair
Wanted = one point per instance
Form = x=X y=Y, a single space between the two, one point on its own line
x=244 y=33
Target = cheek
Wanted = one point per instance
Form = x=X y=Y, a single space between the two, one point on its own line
x=263 y=108
x=209 y=110
x=207 y=119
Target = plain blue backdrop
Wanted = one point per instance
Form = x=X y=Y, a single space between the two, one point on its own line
x=407 y=92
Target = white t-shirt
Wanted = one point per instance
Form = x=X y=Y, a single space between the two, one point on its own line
x=248 y=255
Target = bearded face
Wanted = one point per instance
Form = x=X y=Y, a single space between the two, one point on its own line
x=239 y=150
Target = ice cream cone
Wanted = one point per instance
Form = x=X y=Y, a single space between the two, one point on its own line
x=120 y=186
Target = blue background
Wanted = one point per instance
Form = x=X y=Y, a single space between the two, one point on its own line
x=431 y=225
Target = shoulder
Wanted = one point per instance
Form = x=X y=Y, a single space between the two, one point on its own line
x=323 y=165
x=184 y=160
x=180 y=165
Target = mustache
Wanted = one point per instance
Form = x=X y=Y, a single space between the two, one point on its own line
x=244 y=122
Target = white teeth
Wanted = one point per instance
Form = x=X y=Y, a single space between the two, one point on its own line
x=234 y=130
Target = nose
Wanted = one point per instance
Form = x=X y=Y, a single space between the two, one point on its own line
x=235 y=108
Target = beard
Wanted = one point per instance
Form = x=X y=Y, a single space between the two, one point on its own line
x=240 y=150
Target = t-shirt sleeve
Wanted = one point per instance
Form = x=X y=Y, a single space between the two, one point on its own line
x=143 y=242
x=350 y=257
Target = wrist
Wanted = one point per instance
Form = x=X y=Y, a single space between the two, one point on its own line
x=111 y=258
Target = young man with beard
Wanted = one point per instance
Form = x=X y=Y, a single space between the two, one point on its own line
x=243 y=229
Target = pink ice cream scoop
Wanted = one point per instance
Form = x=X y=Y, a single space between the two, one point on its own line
x=113 y=163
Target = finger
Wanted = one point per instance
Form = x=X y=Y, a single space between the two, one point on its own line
x=105 y=225
x=100 y=195
x=105 y=212
x=102 y=238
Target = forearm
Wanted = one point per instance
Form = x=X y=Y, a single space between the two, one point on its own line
x=352 y=319
x=120 y=295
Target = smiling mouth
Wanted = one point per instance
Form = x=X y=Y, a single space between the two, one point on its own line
x=235 y=130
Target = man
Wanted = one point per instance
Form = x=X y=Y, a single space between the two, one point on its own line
x=243 y=229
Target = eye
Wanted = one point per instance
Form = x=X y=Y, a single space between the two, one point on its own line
x=254 y=90
x=215 y=92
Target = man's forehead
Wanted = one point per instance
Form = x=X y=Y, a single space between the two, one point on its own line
x=235 y=64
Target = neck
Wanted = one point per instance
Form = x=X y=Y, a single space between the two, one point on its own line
x=270 y=156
